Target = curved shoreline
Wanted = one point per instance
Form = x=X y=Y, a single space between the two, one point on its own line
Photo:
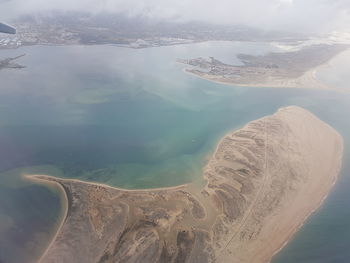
x=198 y=199
x=65 y=206
x=66 y=196
x=65 y=193
x=331 y=187
x=308 y=80
x=317 y=83
x=312 y=209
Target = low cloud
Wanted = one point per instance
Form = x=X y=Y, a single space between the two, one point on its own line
x=314 y=16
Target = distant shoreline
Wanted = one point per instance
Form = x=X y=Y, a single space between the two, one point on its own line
x=308 y=80
x=257 y=85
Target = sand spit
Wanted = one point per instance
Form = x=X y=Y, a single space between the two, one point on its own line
x=263 y=181
x=295 y=69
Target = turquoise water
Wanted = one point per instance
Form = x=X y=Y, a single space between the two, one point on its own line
x=128 y=118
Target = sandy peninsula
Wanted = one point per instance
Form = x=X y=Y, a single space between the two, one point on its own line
x=9 y=63
x=296 y=69
x=263 y=181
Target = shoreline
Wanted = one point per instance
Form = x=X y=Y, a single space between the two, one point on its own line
x=245 y=223
x=313 y=208
x=312 y=72
x=65 y=194
x=313 y=211
x=108 y=44
x=311 y=84
x=65 y=206
x=37 y=177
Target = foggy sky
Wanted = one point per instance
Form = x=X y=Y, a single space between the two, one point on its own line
x=314 y=16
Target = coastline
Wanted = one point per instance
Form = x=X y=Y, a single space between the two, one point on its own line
x=311 y=73
x=319 y=107
x=308 y=80
x=37 y=177
x=65 y=206
x=183 y=192
x=313 y=211
x=319 y=200
x=66 y=196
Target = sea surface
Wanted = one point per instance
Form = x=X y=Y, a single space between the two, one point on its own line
x=132 y=118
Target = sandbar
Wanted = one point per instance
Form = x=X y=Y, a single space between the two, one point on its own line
x=262 y=182
x=296 y=69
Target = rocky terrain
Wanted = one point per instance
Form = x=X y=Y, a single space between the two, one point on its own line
x=261 y=184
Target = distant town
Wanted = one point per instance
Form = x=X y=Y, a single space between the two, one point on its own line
x=79 y=28
x=10 y=42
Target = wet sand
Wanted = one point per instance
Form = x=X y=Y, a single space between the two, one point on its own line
x=65 y=204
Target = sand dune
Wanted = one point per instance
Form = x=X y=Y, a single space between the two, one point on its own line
x=263 y=181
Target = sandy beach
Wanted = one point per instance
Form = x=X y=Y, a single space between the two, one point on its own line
x=308 y=80
x=262 y=72
x=280 y=226
x=65 y=204
x=263 y=181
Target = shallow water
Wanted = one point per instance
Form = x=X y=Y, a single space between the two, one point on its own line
x=128 y=118
x=326 y=235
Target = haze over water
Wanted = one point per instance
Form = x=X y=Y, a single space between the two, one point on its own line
x=133 y=118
